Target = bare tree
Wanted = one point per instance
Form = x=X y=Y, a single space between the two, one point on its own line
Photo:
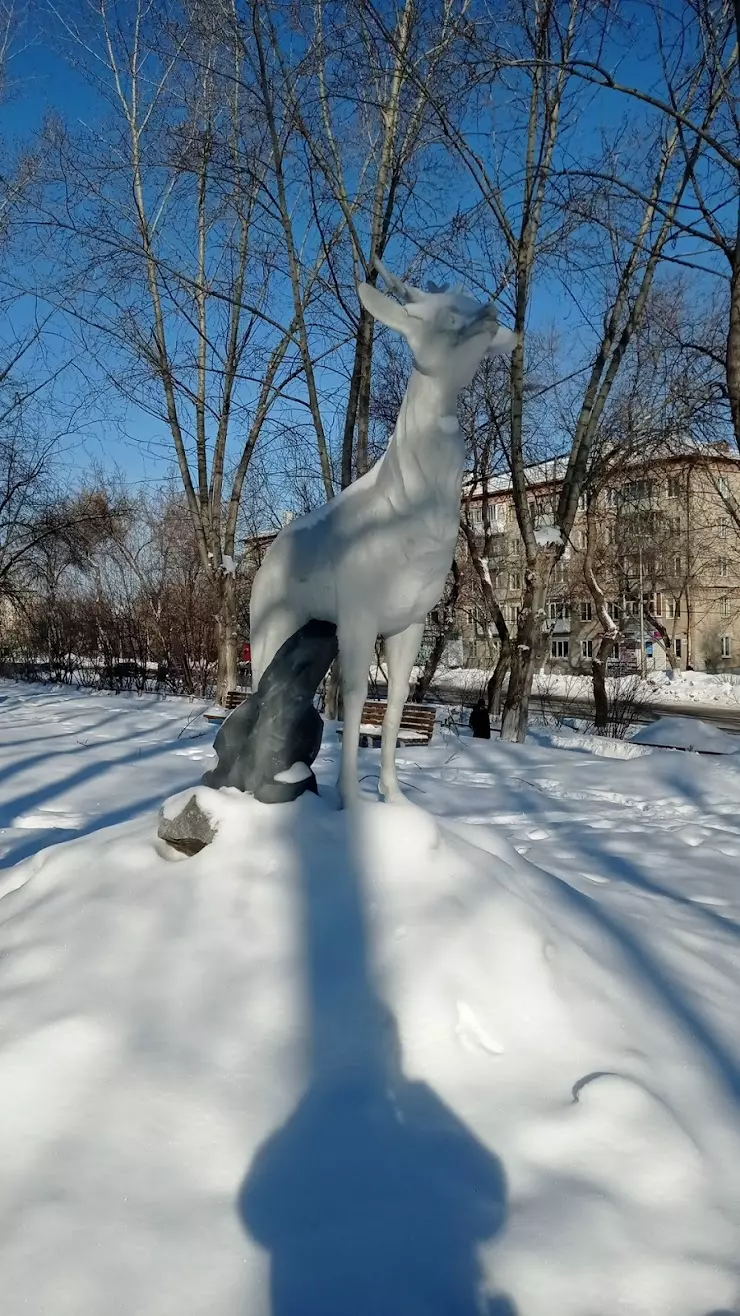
x=167 y=268
x=694 y=84
x=523 y=68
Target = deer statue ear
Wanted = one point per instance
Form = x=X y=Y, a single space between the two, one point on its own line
x=383 y=308
x=504 y=342
x=403 y=291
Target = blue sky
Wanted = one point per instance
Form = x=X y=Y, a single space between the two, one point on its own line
x=122 y=436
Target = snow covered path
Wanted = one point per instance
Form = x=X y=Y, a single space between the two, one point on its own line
x=72 y=762
x=477 y=1057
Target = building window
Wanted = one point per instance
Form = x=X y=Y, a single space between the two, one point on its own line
x=674 y=526
x=499 y=513
x=723 y=567
x=515 y=580
x=674 y=486
x=560 y=648
x=724 y=607
x=672 y=608
x=677 y=646
x=559 y=611
x=723 y=485
x=582 y=502
x=677 y=565
x=586 y=610
x=615 y=610
x=511 y=612
x=476 y=515
x=656 y=605
x=726 y=646
x=587 y=648
x=609 y=536
x=724 y=528
x=581 y=539
x=637 y=490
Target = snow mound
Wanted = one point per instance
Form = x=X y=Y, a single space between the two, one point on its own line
x=686 y=733
x=357 y=1062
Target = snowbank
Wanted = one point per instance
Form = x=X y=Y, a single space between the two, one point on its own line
x=371 y=1063
x=376 y=1063
x=686 y=733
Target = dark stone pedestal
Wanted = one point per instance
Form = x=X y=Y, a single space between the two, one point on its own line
x=278 y=727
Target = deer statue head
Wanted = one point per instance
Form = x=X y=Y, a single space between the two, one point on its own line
x=448 y=332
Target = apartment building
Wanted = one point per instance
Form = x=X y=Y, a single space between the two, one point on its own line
x=667 y=555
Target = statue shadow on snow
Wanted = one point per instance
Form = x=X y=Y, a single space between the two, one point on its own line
x=373 y=1199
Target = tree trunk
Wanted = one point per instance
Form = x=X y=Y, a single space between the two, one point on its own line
x=524 y=656
x=429 y=669
x=447 y=609
x=664 y=638
x=333 y=708
x=496 y=682
x=733 y=345
x=598 y=672
x=226 y=638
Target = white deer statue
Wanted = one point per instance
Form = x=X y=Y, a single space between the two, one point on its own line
x=374 y=559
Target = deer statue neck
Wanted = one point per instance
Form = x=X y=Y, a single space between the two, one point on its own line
x=426 y=453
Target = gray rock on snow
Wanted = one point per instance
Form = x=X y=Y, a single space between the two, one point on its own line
x=190 y=831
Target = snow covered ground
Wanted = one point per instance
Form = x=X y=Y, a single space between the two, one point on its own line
x=686 y=733
x=480 y=1056
x=690 y=689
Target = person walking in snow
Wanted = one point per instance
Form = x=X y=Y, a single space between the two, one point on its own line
x=480 y=722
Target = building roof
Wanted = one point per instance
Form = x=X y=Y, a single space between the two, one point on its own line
x=552 y=472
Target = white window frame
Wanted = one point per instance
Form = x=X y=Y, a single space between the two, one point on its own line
x=562 y=645
x=558 y=610
x=724 y=607
x=726 y=642
x=587 y=648
x=587 y=610
x=673 y=482
x=677 y=646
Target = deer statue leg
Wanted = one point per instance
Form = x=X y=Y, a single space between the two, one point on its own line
x=356 y=649
x=401 y=651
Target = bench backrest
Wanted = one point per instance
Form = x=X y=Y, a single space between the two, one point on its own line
x=415 y=717
x=234 y=698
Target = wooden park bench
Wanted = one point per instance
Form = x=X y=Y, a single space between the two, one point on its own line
x=233 y=699
x=417 y=724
